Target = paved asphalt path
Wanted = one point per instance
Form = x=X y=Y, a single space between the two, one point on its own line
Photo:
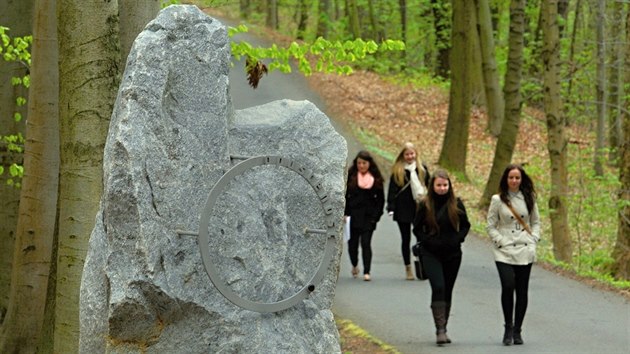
x=564 y=316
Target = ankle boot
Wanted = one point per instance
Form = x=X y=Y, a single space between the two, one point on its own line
x=439 y=317
x=517 y=336
x=408 y=272
x=508 y=335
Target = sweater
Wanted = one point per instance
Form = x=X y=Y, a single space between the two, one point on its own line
x=446 y=243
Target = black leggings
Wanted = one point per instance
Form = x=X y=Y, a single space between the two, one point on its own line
x=442 y=275
x=365 y=238
x=405 y=234
x=514 y=280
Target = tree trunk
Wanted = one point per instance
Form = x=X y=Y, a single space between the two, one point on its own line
x=353 y=18
x=478 y=93
x=244 y=8
x=454 y=147
x=600 y=89
x=89 y=76
x=272 y=14
x=301 y=28
x=443 y=30
x=134 y=16
x=17 y=16
x=323 y=20
x=504 y=150
x=376 y=32
x=556 y=125
x=615 y=82
x=572 y=50
x=621 y=253
x=402 y=9
x=22 y=328
x=494 y=98
x=563 y=11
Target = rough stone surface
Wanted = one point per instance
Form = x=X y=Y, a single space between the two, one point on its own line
x=173 y=131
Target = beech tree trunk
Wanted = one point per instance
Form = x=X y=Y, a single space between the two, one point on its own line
x=556 y=126
x=323 y=21
x=504 y=150
x=89 y=75
x=454 y=147
x=272 y=14
x=303 y=19
x=134 y=16
x=573 y=45
x=494 y=97
x=22 y=329
x=616 y=89
x=621 y=253
x=600 y=89
x=352 y=12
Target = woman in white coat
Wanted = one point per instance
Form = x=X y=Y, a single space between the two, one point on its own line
x=514 y=227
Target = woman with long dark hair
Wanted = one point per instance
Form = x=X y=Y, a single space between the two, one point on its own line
x=441 y=225
x=514 y=227
x=364 y=206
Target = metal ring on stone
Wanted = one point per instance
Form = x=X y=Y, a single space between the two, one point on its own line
x=330 y=232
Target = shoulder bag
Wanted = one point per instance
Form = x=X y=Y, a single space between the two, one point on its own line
x=417 y=262
x=402 y=189
x=519 y=219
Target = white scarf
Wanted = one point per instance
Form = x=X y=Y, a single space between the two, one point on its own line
x=417 y=189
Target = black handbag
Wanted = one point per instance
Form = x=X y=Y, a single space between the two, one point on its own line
x=417 y=262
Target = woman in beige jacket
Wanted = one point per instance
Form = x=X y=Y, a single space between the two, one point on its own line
x=514 y=227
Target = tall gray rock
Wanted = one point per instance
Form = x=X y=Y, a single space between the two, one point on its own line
x=173 y=135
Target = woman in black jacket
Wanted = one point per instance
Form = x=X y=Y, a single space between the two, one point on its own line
x=441 y=225
x=407 y=186
x=364 y=205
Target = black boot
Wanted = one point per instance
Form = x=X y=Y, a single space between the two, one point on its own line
x=517 y=336
x=439 y=317
x=508 y=334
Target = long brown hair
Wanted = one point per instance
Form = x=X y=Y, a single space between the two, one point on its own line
x=353 y=171
x=451 y=203
x=526 y=187
x=398 y=169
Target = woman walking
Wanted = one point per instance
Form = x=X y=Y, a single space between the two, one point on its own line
x=364 y=206
x=407 y=186
x=441 y=225
x=514 y=227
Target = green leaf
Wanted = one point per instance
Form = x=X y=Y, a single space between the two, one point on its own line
x=232 y=31
x=16 y=170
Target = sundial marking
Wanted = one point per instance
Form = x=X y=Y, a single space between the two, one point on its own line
x=330 y=232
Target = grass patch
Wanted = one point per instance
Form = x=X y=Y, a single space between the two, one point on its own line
x=355 y=339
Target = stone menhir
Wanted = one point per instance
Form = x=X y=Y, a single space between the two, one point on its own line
x=173 y=135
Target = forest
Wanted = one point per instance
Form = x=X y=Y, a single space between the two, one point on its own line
x=561 y=65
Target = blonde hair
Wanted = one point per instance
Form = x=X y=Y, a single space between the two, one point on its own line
x=398 y=169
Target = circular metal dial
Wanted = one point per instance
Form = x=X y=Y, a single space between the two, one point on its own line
x=330 y=232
